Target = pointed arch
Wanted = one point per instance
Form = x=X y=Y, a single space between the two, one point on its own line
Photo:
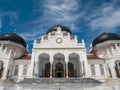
x=59 y=65
x=44 y=65
x=76 y=65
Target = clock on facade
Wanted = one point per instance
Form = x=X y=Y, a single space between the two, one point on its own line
x=59 y=40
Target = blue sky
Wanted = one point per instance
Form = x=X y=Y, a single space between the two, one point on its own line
x=85 y=18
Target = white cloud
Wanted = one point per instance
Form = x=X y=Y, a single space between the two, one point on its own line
x=13 y=16
x=31 y=36
x=62 y=12
x=53 y=12
x=107 y=17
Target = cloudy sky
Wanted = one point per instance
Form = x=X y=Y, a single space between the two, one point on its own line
x=85 y=18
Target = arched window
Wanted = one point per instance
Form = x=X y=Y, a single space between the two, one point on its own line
x=93 y=69
x=25 y=70
x=16 y=70
x=102 y=69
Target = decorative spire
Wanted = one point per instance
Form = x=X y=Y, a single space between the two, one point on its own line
x=103 y=31
x=14 y=29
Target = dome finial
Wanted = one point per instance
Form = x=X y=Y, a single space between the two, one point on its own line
x=103 y=30
x=14 y=29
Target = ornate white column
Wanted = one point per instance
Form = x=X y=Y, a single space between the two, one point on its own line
x=20 y=71
x=112 y=67
x=5 y=71
x=66 y=62
x=66 y=69
x=51 y=63
x=85 y=67
x=32 y=65
x=36 y=68
x=51 y=69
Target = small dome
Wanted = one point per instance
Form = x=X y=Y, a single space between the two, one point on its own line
x=54 y=28
x=105 y=37
x=13 y=37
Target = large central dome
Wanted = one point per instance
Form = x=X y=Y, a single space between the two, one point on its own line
x=54 y=28
x=105 y=37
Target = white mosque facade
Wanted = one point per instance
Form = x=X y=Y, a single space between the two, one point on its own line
x=60 y=55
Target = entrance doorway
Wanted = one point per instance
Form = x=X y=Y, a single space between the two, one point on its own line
x=59 y=71
x=70 y=70
x=117 y=68
x=47 y=70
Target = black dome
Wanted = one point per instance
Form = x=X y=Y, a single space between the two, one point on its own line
x=105 y=37
x=13 y=37
x=54 y=28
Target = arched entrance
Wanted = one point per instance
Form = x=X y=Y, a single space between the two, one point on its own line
x=74 y=69
x=44 y=65
x=59 y=65
x=59 y=71
x=1 y=68
x=117 y=68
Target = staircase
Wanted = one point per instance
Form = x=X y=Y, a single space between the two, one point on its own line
x=58 y=80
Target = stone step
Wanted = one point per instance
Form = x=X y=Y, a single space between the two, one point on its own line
x=58 y=80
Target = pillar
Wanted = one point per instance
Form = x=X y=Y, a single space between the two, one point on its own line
x=112 y=67
x=66 y=62
x=32 y=65
x=51 y=63
x=5 y=71
x=20 y=72
x=51 y=69
x=82 y=71
x=66 y=69
x=83 y=58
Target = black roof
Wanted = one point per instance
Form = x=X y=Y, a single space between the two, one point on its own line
x=105 y=37
x=54 y=28
x=13 y=37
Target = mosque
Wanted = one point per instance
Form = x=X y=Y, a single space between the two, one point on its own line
x=58 y=54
